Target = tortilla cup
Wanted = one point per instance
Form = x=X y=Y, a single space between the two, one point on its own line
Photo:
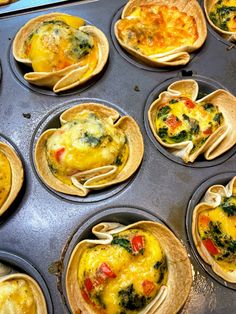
x=36 y=290
x=219 y=141
x=170 y=297
x=70 y=76
x=231 y=36
x=211 y=200
x=179 y=55
x=17 y=175
x=93 y=177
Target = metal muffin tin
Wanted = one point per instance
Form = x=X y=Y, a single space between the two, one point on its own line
x=43 y=226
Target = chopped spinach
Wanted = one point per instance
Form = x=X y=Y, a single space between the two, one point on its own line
x=194 y=127
x=162 y=132
x=98 y=298
x=118 y=161
x=125 y=243
x=91 y=140
x=208 y=107
x=180 y=137
x=228 y=207
x=218 y=116
x=185 y=117
x=162 y=269
x=163 y=111
x=130 y=300
x=82 y=43
x=173 y=101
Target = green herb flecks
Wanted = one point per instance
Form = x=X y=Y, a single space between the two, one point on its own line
x=229 y=205
x=130 y=300
x=125 y=243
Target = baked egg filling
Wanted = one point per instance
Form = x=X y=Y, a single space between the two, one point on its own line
x=124 y=276
x=16 y=297
x=58 y=43
x=87 y=142
x=5 y=178
x=223 y=15
x=152 y=29
x=217 y=230
x=180 y=119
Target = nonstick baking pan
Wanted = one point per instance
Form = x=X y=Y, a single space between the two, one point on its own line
x=42 y=225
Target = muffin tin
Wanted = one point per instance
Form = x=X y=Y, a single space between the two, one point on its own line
x=44 y=226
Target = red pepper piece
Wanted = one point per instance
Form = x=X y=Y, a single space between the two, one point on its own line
x=208 y=131
x=137 y=243
x=173 y=122
x=88 y=284
x=189 y=104
x=210 y=246
x=106 y=270
x=148 y=287
x=58 y=154
x=85 y=296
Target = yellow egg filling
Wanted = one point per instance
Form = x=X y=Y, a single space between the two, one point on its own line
x=124 y=276
x=16 y=297
x=5 y=178
x=223 y=15
x=58 y=43
x=152 y=29
x=86 y=143
x=217 y=230
x=181 y=120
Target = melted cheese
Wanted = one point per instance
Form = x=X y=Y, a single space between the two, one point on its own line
x=152 y=29
x=129 y=269
x=16 y=297
x=5 y=178
x=223 y=15
x=217 y=224
x=86 y=143
x=194 y=121
x=59 y=43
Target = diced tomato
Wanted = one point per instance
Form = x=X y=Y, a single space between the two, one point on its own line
x=208 y=131
x=148 y=287
x=106 y=270
x=210 y=246
x=85 y=296
x=137 y=243
x=189 y=103
x=173 y=122
x=58 y=154
x=88 y=284
x=204 y=220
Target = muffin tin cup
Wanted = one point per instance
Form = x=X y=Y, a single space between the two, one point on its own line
x=195 y=199
x=18 y=200
x=20 y=265
x=51 y=120
x=206 y=86
x=124 y=215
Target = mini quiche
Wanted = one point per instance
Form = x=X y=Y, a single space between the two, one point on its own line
x=93 y=149
x=19 y=293
x=214 y=229
x=140 y=268
x=11 y=176
x=160 y=32
x=188 y=127
x=221 y=15
x=61 y=49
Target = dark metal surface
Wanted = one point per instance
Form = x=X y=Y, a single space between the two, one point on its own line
x=40 y=224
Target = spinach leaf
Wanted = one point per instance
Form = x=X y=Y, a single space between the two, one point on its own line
x=91 y=140
x=185 y=117
x=163 y=111
x=162 y=132
x=130 y=300
x=208 y=107
x=180 y=137
x=173 y=101
x=218 y=117
x=228 y=207
x=125 y=243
